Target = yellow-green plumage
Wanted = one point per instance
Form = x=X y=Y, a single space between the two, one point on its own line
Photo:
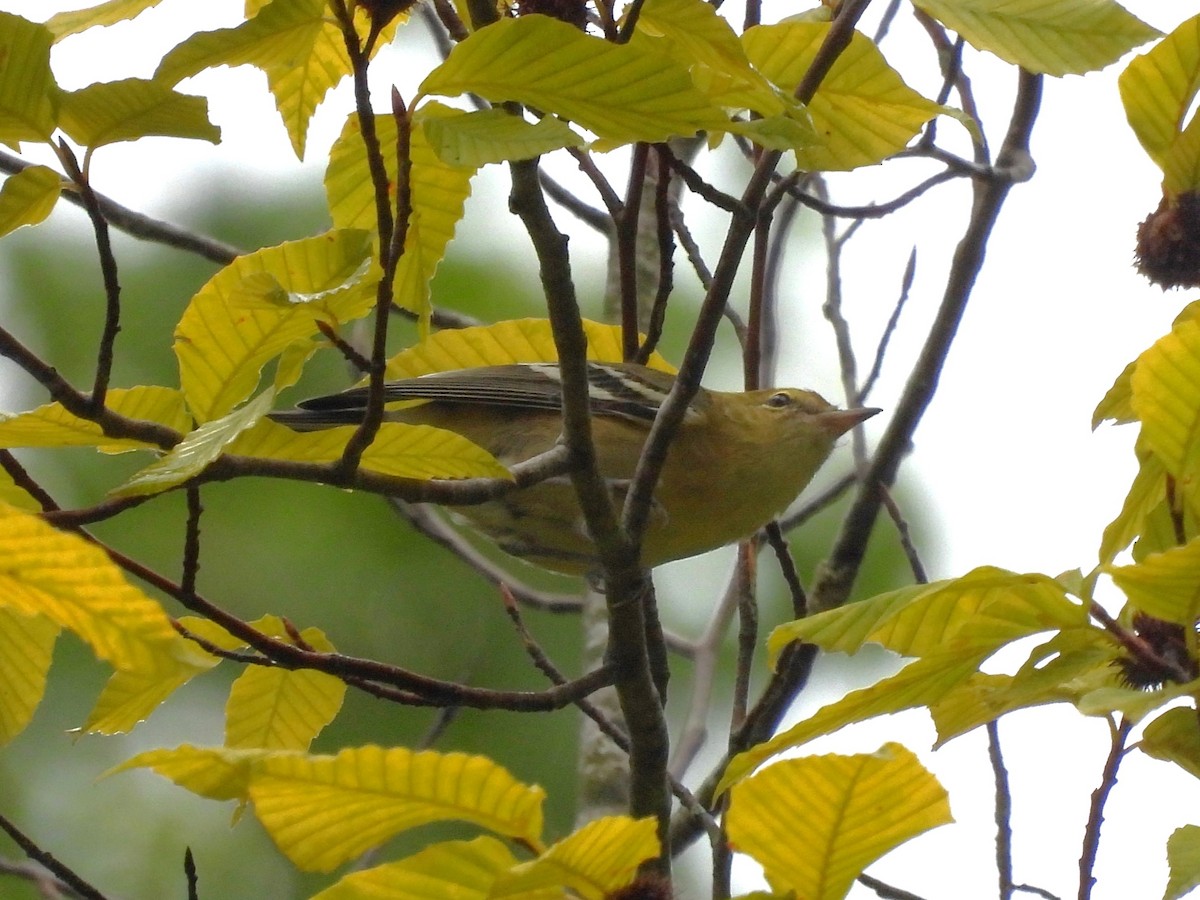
x=738 y=459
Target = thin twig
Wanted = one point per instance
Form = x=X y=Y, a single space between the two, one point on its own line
x=141 y=226
x=1004 y=868
x=666 y=257
x=1091 y=834
x=745 y=579
x=108 y=274
x=915 y=565
x=63 y=873
x=906 y=281
x=597 y=219
x=773 y=534
x=433 y=526
x=886 y=891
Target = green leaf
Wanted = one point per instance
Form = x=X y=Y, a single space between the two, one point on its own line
x=323 y=811
x=863 y=111
x=53 y=426
x=74 y=21
x=27 y=89
x=26 y=649
x=1132 y=703
x=981 y=611
x=1157 y=89
x=194 y=453
x=920 y=683
x=1165 y=585
x=297 y=43
x=620 y=92
x=28 y=197
x=593 y=862
x=485 y=136
x=400 y=450
x=1166 y=398
x=232 y=328
x=696 y=36
x=815 y=823
x=1062 y=669
x=504 y=343
x=127 y=110
x=1116 y=405
x=1174 y=737
x=438 y=194
x=1183 y=856
x=451 y=870
x=1054 y=37
x=1148 y=491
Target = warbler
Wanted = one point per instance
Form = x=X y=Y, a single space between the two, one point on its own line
x=736 y=461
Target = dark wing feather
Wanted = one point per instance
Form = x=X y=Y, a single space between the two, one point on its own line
x=617 y=389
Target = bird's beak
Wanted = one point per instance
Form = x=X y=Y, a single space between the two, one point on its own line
x=839 y=421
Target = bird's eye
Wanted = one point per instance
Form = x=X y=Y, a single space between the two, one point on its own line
x=779 y=400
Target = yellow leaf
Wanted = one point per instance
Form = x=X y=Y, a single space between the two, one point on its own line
x=1174 y=737
x=74 y=21
x=1062 y=669
x=1158 y=89
x=27 y=89
x=438 y=193
x=1166 y=398
x=863 y=112
x=920 y=683
x=325 y=810
x=297 y=43
x=452 y=870
x=130 y=697
x=1054 y=37
x=278 y=709
x=1117 y=404
x=405 y=451
x=28 y=197
x=815 y=823
x=192 y=455
x=127 y=110
x=73 y=583
x=1183 y=856
x=596 y=860
x=1165 y=585
x=981 y=611
x=53 y=426
x=26 y=648
x=289 y=40
x=1133 y=703
x=490 y=135
x=513 y=341
x=222 y=341
x=694 y=35
x=14 y=495
x=218 y=773
x=620 y=92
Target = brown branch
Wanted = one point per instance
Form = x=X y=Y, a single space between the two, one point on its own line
x=140 y=226
x=1091 y=834
x=61 y=872
x=108 y=274
x=1003 y=806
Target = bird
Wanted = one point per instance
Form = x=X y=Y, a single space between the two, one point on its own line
x=737 y=460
